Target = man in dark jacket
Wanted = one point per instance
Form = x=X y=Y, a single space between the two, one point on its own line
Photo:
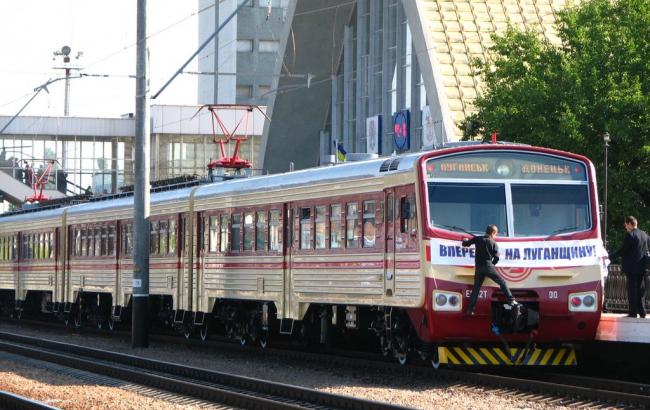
x=486 y=256
x=634 y=249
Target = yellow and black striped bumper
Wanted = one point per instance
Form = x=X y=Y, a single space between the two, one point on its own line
x=497 y=356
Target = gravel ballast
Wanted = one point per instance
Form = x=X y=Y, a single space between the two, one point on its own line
x=416 y=392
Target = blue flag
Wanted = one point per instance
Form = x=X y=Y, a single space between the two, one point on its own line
x=341 y=153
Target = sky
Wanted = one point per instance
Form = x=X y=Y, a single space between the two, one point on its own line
x=105 y=32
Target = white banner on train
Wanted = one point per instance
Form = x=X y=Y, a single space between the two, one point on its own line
x=524 y=254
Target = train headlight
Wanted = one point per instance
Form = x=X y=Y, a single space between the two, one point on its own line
x=445 y=301
x=583 y=302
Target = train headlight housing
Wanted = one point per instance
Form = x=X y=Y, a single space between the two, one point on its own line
x=583 y=302
x=445 y=301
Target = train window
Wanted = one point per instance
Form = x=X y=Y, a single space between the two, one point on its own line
x=249 y=231
x=336 y=227
x=50 y=245
x=305 y=228
x=172 y=237
x=129 y=240
x=76 y=238
x=236 y=233
x=408 y=223
x=104 y=241
x=3 y=249
x=223 y=229
x=153 y=238
x=98 y=242
x=84 y=242
x=260 y=231
x=164 y=225
x=321 y=227
x=274 y=231
x=214 y=234
x=369 y=224
x=353 y=232
x=111 y=240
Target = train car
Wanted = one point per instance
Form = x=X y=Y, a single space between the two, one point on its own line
x=333 y=253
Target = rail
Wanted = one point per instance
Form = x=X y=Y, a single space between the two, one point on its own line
x=219 y=387
x=616 y=291
x=14 y=401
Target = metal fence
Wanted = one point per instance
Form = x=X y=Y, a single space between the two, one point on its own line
x=616 y=291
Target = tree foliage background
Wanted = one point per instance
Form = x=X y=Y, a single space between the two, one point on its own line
x=567 y=97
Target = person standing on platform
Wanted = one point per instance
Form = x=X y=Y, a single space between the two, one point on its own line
x=634 y=250
x=29 y=174
x=486 y=256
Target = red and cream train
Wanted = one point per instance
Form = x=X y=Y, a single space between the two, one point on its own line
x=370 y=246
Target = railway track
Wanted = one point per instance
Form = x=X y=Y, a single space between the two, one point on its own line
x=554 y=388
x=16 y=402
x=236 y=391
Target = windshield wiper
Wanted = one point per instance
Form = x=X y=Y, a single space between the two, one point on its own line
x=453 y=228
x=561 y=230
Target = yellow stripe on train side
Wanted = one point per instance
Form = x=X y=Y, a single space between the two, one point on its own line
x=497 y=356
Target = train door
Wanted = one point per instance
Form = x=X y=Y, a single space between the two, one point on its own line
x=389 y=234
x=183 y=268
x=59 y=263
x=287 y=246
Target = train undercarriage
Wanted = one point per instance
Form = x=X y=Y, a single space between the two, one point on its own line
x=383 y=329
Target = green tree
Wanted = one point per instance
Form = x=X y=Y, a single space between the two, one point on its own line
x=566 y=97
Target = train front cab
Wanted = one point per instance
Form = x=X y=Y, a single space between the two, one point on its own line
x=553 y=267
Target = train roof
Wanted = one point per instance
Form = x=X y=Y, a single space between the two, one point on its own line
x=341 y=172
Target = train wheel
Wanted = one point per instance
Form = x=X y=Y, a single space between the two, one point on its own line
x=77 y=321
x=435 y=359
x=402 y=358
x=111 y=324
x=100 y=324
x=243 y=340
x=264 y=339
x=203 y=332
x=187 y=333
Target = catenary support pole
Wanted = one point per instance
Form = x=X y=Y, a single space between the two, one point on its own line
x=140 y=297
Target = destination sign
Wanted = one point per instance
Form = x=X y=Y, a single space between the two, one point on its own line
x=506 y=165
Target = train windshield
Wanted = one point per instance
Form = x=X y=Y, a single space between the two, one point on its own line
x=524 y=194
x=467 y=206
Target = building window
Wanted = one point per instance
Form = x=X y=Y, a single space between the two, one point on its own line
x=244 y=91
x=263 y=90
x=245 y=46
x=336 y=227
x=269 y=46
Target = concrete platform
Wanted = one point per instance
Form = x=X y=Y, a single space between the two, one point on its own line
x=620 y=328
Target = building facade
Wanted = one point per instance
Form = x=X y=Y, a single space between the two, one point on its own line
x=237 y=67
x=386 y=76
x=97 y=154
